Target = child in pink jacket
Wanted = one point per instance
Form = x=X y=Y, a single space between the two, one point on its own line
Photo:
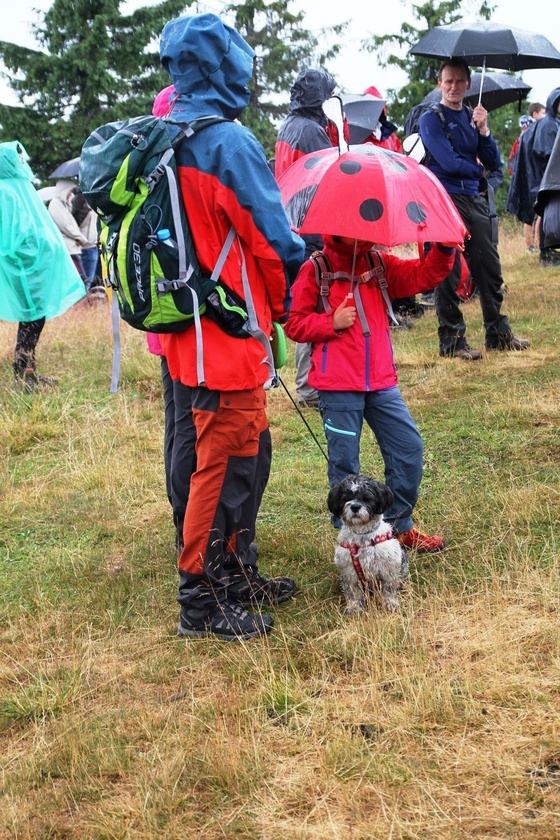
x=354 y=372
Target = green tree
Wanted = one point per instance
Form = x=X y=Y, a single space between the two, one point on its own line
x=283 y=47
x=93 y=65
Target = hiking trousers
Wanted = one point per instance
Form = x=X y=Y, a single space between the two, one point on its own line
x=179 y=444
x=233 y=457
x=398 y=438
x=483 y=260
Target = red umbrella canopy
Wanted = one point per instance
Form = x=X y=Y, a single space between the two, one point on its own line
x=369 y=193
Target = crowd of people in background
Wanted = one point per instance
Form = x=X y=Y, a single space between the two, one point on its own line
x=217 y=440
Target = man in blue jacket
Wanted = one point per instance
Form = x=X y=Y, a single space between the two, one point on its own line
x=461 y=153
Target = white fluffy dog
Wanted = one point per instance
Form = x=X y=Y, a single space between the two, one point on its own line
x=368 y=557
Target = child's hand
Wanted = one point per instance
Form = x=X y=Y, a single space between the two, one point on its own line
x=344 y=316
x=459 y=246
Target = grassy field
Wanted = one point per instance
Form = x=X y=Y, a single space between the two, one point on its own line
x=441 y=721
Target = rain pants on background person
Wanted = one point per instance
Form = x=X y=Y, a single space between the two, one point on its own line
x=37 y=277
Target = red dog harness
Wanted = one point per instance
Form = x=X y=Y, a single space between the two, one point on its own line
x=355 y=552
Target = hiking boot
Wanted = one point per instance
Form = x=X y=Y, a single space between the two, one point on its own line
x=308 y=404
x=403 y=323
x=225 y=621
x=249 y=588
x=463 y=351
x=423 y=543
x=428 y=299
x=28 y=380
x=549 y=256
x=507 y=342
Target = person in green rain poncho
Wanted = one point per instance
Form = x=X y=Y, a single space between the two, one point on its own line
x=37 y=277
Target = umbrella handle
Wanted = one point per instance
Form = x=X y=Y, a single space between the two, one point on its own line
x=482 y=80
x=334 y=110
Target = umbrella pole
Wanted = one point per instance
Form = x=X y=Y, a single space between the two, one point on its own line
x=482 y=80
x=354 y=256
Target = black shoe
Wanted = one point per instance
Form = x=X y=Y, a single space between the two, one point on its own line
x=507 y=342
x=463 y=351
x=308 y=404
x=549 y=256
x=250 y=588
x=402 y=323
x=225 y=621
x=28 y=381
x=427 y=299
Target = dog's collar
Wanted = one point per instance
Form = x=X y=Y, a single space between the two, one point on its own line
x=355 y=551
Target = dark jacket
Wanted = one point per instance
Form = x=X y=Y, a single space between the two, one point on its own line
x=535 y=147
x=548 y=198
x=303 y=130
x=455 y=158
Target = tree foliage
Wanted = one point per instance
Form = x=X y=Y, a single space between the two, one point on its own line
x=421 y=72
x=283 y=47
x=93 y=65
x=392 y=50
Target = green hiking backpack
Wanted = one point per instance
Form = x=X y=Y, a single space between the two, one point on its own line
x=128 y=175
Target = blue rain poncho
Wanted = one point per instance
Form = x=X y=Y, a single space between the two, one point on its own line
x=37 y=276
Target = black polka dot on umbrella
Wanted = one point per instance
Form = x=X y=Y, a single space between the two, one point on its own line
x=350 y=167
x=313 y=162
x=398 y=165
x=371 y=210
x=416 y=213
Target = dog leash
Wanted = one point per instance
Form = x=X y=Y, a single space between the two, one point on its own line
x=298 y=409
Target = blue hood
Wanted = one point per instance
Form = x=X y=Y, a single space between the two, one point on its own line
x=210 y=65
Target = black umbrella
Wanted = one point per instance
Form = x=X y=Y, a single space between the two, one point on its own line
x=68 y=169
x=488 y=44
x=497 y=89
x=362 y=114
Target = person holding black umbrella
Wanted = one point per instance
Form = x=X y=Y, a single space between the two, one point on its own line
x=460 y=156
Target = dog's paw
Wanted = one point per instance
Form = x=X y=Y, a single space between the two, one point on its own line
x=391 y=604
x=354 y=608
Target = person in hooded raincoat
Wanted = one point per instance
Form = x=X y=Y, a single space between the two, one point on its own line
x=225 y=182
x=548 y=200
x=305 y=130
x=535 y=148
x=38 y=280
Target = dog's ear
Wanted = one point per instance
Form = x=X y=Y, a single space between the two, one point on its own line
x=387 y=497
x=334 y=500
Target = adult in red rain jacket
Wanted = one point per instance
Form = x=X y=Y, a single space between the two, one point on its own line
x=388 y=138
x=306 y=129
x=225 y=181
x=355 y=373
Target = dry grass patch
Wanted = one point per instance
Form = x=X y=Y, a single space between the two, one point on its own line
x=441 y=721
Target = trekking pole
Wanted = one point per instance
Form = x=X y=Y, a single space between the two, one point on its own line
x=297 y=408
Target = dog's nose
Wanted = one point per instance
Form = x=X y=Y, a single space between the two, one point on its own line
x=355 y=507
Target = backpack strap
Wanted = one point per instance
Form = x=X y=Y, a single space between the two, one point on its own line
x=324 y=276
x=375 y=258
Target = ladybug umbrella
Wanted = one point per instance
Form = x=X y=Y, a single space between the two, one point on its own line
x=369 y=193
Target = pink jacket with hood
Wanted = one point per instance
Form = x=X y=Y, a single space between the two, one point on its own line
x=348 y=360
